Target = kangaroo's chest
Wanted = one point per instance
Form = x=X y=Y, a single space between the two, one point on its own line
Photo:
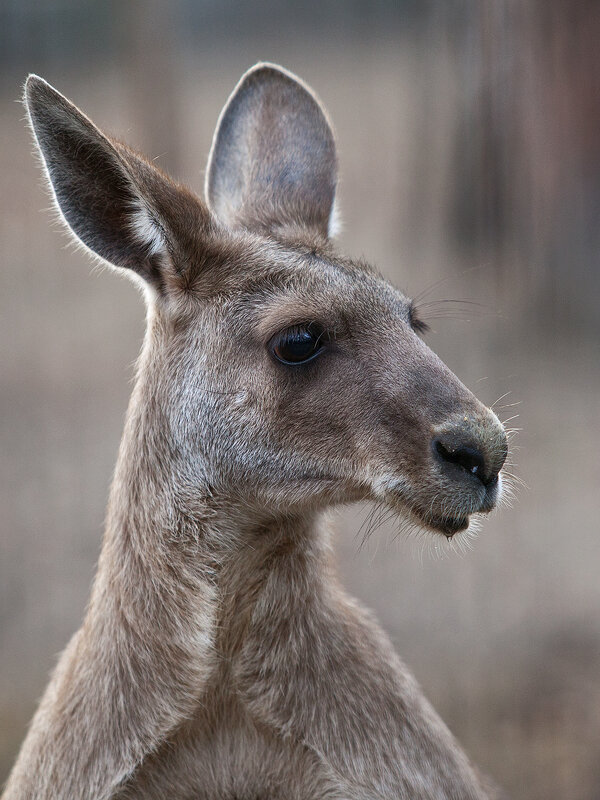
x=223 y=755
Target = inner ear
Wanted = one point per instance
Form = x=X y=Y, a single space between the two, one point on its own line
x=273 y=161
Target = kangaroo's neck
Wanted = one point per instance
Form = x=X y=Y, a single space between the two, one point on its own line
x=179 y=572
x=169 y=529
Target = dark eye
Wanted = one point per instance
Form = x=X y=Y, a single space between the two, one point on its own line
x=299 y=344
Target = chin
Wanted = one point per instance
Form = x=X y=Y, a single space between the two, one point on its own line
x=448 y=525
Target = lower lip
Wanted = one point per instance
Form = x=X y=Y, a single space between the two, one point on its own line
x=450 y=526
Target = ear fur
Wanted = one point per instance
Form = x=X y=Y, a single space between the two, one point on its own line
x=117 y=204
x=273 y=160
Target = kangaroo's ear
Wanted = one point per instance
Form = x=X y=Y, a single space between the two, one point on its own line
x=273 y=160
x=115 y=202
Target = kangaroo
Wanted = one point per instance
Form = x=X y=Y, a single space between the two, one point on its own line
x=219 y=656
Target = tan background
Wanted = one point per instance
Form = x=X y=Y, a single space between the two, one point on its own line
x=469 y=137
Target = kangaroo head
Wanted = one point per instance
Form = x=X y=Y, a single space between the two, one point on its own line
x=276 y=371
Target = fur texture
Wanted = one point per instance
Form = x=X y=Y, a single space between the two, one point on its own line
x=219 y=657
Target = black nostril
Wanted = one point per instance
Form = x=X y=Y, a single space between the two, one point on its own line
x=469 y=458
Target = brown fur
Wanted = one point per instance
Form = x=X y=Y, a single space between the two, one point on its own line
x=219 y=657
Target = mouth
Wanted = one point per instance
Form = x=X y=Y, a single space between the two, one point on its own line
x=450 y=521
x=447 y=525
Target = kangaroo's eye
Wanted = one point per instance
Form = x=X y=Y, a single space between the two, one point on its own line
x=299 y=344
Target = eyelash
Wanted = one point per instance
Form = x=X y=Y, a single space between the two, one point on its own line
x=311 y=335
x=417 y=324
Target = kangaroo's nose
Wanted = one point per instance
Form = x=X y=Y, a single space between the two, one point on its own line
x=470 y=459
x=456 y=450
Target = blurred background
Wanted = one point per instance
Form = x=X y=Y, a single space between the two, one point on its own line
x=469 y=140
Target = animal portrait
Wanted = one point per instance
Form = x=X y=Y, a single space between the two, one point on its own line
x=220 y=656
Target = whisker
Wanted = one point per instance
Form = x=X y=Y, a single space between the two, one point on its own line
x=502 y=396
x=449 y=300
x=515 y=479
x=445 y=279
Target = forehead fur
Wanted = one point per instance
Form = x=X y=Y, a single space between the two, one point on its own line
x=290 y=281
